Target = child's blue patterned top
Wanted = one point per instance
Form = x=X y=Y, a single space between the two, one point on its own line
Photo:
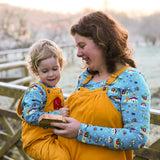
x=130 y=95
x=33 y=103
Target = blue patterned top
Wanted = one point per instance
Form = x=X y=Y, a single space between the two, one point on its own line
x=33 y=103
x=130 y=95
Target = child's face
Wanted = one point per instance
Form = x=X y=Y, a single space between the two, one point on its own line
x=49 y=71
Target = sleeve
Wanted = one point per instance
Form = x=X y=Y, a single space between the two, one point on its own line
x=135 y=106
x=33 y=103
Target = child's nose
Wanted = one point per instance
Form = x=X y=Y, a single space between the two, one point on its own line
x=51 y=73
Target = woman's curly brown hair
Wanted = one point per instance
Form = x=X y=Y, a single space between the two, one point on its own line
x=110 y=37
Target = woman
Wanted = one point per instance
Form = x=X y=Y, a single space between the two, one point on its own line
x=109 y=110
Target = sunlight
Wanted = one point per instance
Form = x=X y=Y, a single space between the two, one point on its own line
x=74 y=6
x=136 y=5
x=63 y=6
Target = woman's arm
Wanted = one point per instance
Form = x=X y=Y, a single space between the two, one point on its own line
x=135 y=106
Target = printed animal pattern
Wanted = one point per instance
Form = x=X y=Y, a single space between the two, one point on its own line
x=130 y=95
x=33 y=103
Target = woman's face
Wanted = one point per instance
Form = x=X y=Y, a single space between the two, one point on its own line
x=90 y=53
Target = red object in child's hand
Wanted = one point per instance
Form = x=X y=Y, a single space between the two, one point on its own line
x=57 y=103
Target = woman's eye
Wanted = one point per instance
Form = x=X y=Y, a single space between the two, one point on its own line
x=82 y=47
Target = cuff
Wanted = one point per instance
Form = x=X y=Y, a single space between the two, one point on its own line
x=82 y=133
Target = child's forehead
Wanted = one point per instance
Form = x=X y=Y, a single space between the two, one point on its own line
x=52 y=61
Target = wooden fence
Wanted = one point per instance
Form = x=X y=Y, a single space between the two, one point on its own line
x=10 y=124
x=11 y=135
x=20 y=54
x=11 y=61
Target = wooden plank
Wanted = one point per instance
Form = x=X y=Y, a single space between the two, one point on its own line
x=11 y=65
x=10 y=143
x=139 y=158
x=155 y=116
x=155 y=90
x=19 y=145
x=148 y=153
x=8 y=79
x=15 y=91
x=156 y=145
x=16 y=87
x=7 y=158
x=14 y=51
x=155 y=111
x=13 y=104
x=22 y=80
x=9 y=113
x=7 y=125
x=11 y=90
x=4 y=136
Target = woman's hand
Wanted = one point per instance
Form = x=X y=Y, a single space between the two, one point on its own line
x=69 y=129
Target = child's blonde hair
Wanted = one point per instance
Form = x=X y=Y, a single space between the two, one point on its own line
x=41 y=50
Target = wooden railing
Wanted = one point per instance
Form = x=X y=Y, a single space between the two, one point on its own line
x=10 y=135
x=10 y=124
x=153 y=151
x=12 y=60
x=20 y=54
x=13 y=55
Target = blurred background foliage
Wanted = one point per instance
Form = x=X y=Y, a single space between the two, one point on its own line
x=20 y=27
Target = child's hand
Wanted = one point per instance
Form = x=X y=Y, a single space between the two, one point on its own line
x=64 y=111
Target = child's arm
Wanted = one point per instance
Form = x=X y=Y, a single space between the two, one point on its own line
x=33 y=103
x=64 y=111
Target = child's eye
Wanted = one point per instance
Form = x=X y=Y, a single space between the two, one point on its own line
x=55 y=68
x=44 y=71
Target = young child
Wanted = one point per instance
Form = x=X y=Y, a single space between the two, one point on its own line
x=44 y=97
x=45 y=61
